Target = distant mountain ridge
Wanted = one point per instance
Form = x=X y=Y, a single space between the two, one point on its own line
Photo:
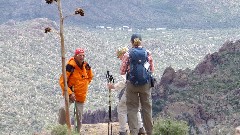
x=134 y=13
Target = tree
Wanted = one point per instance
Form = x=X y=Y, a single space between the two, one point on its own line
x=61 y=34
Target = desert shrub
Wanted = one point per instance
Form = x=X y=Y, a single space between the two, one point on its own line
x=61 y=130
x=158 y=105
x=170 y=127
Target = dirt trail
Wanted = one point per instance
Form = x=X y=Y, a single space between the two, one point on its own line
x=99 y=129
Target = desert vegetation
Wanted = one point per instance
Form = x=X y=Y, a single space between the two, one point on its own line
x=31 y=66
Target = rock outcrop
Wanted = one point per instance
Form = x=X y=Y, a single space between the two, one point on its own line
x=206 y=111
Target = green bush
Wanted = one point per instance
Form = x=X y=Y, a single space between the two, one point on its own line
x=170 y=127
x=61 y=130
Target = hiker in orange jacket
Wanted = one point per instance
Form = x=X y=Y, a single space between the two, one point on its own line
x=79 y=75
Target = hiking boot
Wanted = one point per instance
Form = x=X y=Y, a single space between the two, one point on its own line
x=122 y=133
x=141 y=131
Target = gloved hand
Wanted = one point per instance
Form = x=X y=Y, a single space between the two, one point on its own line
x=72 y=98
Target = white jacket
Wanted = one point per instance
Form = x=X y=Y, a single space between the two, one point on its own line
x=121 y=84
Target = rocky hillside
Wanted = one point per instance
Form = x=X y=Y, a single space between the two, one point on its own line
x=206 y=97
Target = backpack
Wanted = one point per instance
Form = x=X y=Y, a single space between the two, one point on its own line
x=138 y=74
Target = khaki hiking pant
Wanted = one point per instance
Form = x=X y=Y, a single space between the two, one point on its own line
x=122 y=114
x=62 y=113
x=134 y=94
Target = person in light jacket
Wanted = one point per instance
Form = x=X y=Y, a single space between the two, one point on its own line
x=122 y=108
x=134 y=92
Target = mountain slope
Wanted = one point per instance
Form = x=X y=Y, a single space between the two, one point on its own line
x=135 y=13
x=31 y=65
x=206 y=97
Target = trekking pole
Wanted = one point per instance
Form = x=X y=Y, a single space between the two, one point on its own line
x=77 y=128
x=75 y=118
x=109 y=80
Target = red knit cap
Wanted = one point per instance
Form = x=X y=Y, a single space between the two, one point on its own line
x=79 y=50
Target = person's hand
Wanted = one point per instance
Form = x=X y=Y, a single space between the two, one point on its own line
x=110 y=86
x=72 y=97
